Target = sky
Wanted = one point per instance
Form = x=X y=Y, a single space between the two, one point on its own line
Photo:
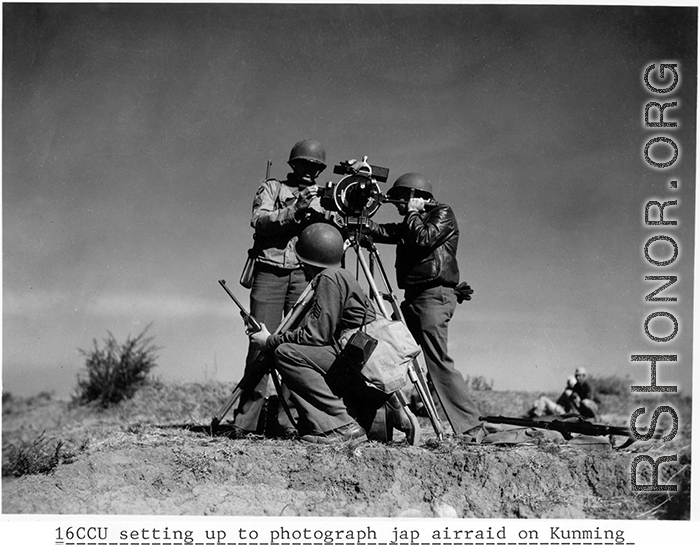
x=135 y=136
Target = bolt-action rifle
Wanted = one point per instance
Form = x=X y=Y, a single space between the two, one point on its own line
x=564 y=424
x=261 y=365
x=251 y=324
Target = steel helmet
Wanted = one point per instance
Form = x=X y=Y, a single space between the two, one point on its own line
x=320 y=244
x=308 y=150
x=412 y=181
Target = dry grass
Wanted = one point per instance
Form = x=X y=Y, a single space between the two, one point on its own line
x=38 y=456
x=41 y=434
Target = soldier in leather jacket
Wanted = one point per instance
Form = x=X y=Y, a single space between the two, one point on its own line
x=427 y=271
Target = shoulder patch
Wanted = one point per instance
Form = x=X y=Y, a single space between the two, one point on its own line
x=271 y=185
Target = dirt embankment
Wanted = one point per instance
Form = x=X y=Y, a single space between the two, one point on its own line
x=154 y=455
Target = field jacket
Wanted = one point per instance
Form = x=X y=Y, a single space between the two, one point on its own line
x=277 y=223
x=426 y=252
x=339 y=304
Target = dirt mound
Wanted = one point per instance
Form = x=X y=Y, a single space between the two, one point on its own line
x=153 y=455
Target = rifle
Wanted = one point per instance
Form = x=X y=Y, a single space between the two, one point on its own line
x=251 y=324
x=572 y=424
x=261 y=365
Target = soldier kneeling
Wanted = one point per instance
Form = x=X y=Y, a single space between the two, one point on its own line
x=332 y=406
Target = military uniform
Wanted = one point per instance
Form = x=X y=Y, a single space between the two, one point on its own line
x=278 y=277
x=305 y=355
x=427 y=270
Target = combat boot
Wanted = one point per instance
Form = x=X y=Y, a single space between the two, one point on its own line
x=401 y=418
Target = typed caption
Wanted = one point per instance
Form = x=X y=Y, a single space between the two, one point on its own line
x=453 y=533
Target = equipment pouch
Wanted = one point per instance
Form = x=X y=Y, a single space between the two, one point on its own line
x=358 y=349
x=246 y=279
x=386 y=369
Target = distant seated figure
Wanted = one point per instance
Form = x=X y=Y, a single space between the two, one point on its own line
x=576 y=398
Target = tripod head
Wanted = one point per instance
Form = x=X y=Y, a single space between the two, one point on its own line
x=357 y=233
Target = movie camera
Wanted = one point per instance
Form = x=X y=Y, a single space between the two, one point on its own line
x=357 y=194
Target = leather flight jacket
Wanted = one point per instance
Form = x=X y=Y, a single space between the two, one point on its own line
x=426 y=252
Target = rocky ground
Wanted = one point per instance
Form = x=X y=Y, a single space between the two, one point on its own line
x=155 y=454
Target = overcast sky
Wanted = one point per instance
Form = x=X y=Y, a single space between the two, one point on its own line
x=135 y=136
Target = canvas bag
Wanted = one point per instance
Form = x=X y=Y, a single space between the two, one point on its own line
x=386 y=367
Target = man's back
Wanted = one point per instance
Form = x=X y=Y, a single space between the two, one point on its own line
x=339 y=303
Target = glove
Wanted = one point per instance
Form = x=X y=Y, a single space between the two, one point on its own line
x=463 y=291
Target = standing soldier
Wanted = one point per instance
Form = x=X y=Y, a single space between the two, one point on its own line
x=426 y=269
x=281 y=209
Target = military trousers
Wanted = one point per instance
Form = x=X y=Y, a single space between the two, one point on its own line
x=304 y=370
x=428 y=313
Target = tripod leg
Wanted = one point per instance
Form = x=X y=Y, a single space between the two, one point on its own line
x=415 y=373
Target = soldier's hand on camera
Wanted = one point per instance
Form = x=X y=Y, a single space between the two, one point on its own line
x=416 y=204
x=259 y=338
x=305 y=197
